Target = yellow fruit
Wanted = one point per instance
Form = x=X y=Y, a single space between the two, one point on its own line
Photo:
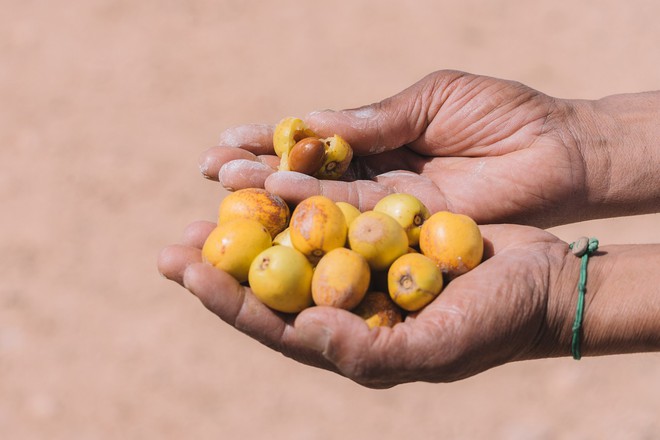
x=338 y=156
x=350 y=212
x=232 y=246
x=255 y=204
x=317 y=226
x=406 y=209
x=413 y=281
x=341 y=279
x=378 y=310
x=287 y=133
x=378 y=238
x=281 y=278
x=283 y=238
x=453 y=241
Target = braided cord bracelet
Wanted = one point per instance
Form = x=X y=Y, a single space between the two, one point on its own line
x=582 y=248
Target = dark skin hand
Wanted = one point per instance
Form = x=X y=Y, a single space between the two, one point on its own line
x=495 y=150
x=499 y=152
x=496 y=313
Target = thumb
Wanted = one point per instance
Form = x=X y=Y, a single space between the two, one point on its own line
x=382 y=126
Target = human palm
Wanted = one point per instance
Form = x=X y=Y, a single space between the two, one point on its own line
x=492 y=149
x=499 y=312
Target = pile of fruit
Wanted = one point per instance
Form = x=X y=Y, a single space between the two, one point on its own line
x=380 y=263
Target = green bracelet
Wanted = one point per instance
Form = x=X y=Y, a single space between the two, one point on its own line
x=582 y=248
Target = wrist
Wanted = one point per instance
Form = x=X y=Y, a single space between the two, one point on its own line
x=622 y=302
x=617 y=138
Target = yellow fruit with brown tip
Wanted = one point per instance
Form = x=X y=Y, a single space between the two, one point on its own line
x=317 y=226
x=338 y=156
x=255 y=204
x=453 y=241
x=281 y=278
x=413 y=281
x=406 y=209
x=232 y=246
x=378 y=238
x=378 y=310
x=341 y=279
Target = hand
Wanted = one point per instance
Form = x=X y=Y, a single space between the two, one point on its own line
x=495 y=150
x=501 y=311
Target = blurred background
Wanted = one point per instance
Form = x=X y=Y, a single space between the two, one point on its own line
x=105 y=107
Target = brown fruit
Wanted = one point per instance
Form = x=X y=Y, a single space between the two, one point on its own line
x=307 y=156
x=378 y=310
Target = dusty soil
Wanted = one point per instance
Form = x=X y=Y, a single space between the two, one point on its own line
x=106 y=106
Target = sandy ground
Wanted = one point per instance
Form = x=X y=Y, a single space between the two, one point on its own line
x=105 y=107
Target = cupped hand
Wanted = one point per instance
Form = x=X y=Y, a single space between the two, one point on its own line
x=504 y=310
x=495 y=150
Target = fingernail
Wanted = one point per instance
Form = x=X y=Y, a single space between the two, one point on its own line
x=316 y=336
x=204 y=163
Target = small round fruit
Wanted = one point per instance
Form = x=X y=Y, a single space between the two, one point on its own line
x=406 y=209
x=413 y=281
x=232 y=246
x=341 y=279
x=317 y=226
x=255 y=204
x=378 y=238
x=338 y=156
x=307 y=156
x=283 y=238
x=287 y=132
x=378 y=310
x=350 y=212
x=281 y=278
x=453 y=241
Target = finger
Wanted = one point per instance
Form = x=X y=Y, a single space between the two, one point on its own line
x=295 y=187
x=195 y=233
x=382 y=126
x=212 y=160
x=380 y=357
x=256 y=138
x=173 y=261
x=237 y=306
x=244 y=173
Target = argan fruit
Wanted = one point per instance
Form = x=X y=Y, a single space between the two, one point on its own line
x=255 y=204
x=378 y=310
x=406 y=209
x=232 y=246
x=350 y=212
x=287 y=133
x=281 y=278
x=283 y=238
x=338 y=156
x=453 y=241
x=307 y=156
x=378 y=238
x=413 y=281
x=341 y=279
x=317 y=226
